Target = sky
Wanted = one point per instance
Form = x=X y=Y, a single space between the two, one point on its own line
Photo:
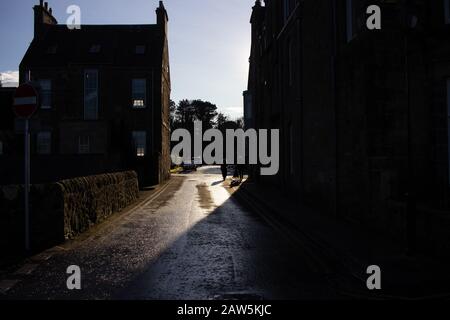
x=209 y=41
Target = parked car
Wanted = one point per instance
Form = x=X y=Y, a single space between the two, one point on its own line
x=197 y=161
x=192 y=165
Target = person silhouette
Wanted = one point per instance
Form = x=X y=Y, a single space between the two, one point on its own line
x=224 y=169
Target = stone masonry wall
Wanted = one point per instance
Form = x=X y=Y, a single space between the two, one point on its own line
x=62 y=210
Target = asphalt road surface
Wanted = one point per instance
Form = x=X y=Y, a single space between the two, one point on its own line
x=187 y=240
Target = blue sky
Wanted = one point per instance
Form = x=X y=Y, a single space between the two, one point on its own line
x=209 y=41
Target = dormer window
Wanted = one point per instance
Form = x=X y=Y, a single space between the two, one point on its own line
x=140 y=49
x=52 y=49
x=95 y=48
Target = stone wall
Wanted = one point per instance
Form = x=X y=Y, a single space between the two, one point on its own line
x=62 y=210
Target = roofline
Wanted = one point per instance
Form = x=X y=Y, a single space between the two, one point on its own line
x=108 y=25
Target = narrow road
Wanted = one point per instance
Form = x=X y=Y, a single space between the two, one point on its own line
x=189 y=240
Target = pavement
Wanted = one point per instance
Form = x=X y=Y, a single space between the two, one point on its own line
x=346 y=250
x=190 y=238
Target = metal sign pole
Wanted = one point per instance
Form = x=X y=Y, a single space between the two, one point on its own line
x=25 y=104
x=27 y=185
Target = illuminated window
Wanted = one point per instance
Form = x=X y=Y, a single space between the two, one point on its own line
x=84 y=144
x=45 y=93
x=140 y=143
x=139 y=93
x=44 y=142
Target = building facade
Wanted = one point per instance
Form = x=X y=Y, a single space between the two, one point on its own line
x=7 y=137
x=104 y=94
x=363 y=114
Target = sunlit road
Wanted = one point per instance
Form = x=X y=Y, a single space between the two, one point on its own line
x=189 y=240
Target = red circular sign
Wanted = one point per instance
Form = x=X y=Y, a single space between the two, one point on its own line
x=25 y=101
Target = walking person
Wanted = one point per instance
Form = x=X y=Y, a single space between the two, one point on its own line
x=224 y=169
x=240 y=168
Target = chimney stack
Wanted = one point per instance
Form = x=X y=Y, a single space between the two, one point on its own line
x=43 y=18
x=161 y=16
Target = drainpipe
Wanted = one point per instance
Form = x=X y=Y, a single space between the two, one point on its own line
x=335 y=103
x=411 y=193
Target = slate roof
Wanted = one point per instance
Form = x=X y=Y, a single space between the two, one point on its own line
x=60 y=46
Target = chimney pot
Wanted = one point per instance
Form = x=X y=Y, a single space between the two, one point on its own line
x=45 y=5
x=50 y=10
x=41 y=3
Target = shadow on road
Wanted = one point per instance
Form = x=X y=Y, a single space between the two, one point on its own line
x=228 y=252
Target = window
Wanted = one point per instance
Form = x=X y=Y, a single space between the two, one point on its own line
x=140 y=49
x=447 y=11
x=90 y=95
x=288 y=7
x=52 y=49
x=291 y=62
x=44 y=142
x=27 y=76
x=139 y=93
x=448 y=124
x=349 y=19
x=140 y=143
x=291 y=150
x=95 y=48
x=45 y=93
x=84 y=144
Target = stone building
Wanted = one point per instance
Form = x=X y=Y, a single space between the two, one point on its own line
x=104 y=99
x=363 y=113
x=6 y=120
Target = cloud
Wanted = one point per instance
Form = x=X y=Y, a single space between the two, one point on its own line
x=233 y=112
x=9 y=78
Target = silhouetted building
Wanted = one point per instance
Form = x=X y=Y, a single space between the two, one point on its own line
x=363 y=113
x=7 y=137
x=104 y=99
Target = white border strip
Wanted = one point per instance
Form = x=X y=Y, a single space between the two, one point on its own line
x=24 y=101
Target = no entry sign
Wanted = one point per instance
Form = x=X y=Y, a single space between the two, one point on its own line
x=25 y=104
x=25 y=101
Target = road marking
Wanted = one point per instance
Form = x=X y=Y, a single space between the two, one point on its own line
x=153 y=196
x=6 y=285
x=26 y=269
